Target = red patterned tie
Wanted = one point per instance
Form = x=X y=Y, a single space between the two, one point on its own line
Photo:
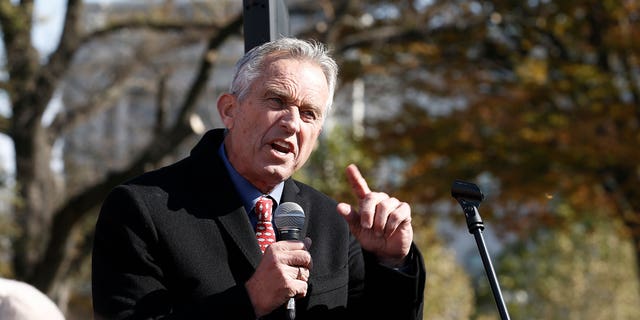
x=264 y=230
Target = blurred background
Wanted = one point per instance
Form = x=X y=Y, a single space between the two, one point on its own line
x=536 y=101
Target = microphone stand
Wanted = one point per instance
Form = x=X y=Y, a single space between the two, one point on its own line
x=469 y=196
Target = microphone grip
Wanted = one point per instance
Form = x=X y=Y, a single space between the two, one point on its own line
x=289 y=218
x=291 y=309
x=290 y=234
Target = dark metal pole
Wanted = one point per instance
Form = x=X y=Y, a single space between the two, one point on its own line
x=469 y=196
x=264 y=21
x=491 y=274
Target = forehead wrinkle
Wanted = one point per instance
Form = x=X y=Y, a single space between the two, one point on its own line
x=287 y=85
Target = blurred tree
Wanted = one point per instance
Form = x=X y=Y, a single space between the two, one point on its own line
x=538 y=101
x=336 y=149
x=579 y=272
x=47 y=216
x=449 y=293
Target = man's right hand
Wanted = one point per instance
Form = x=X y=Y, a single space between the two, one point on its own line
x=282 y=273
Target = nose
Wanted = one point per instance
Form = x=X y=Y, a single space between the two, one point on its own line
x=291 y=119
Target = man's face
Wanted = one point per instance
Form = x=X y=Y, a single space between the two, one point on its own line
x=274 y=129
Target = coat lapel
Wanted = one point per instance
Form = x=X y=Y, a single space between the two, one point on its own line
x=213 y=179
x=237 y=225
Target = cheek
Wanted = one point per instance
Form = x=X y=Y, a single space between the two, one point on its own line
x=251 y=124
x=308 y=143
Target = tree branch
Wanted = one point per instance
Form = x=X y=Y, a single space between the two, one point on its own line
x=70 y=118
x=206 y=62
x=107 y=97
x=78 y=206
x=69 y=42
x=5 y=125
x=150 y=24
x=49 y=75
x=161 y=102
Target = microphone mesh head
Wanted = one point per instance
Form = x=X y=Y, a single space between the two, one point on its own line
x=289 y=215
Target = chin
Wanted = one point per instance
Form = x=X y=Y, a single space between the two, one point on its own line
x=280 y=172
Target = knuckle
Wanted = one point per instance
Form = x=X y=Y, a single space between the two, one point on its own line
x=291 y=292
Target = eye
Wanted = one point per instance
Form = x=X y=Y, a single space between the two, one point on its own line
x=276 y=101
x=308 y=115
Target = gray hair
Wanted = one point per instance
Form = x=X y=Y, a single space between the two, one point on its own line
x=251 y=64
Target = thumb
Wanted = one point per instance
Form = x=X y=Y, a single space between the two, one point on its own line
x=347 y=212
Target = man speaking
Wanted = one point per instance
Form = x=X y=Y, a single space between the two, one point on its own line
x=196 y=239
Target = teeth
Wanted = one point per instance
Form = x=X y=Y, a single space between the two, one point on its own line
x=281 y=146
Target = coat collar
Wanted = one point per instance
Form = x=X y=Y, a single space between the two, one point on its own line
x=210 y=171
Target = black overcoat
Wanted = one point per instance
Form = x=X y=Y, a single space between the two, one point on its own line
x=176 y=243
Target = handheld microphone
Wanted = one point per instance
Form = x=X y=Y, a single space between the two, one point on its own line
x=289 y=219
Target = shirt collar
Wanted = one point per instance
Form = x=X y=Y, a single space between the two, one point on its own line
x=248 y=193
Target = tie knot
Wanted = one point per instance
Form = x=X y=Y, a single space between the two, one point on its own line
x=264 y=208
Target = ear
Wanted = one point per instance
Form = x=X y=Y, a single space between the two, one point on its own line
x=227 y=104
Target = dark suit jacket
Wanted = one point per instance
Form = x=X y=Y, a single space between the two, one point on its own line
x=176 y=243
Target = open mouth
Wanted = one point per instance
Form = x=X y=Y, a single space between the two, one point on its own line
x=281 y=147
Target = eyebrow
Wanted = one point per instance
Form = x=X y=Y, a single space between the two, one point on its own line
x=284 y=95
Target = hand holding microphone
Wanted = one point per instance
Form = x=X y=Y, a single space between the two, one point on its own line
x=289 y=219
x=283 y=271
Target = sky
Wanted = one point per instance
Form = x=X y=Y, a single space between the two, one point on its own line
x=49 y=14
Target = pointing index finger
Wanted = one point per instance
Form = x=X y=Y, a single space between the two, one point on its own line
x=358 y=183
